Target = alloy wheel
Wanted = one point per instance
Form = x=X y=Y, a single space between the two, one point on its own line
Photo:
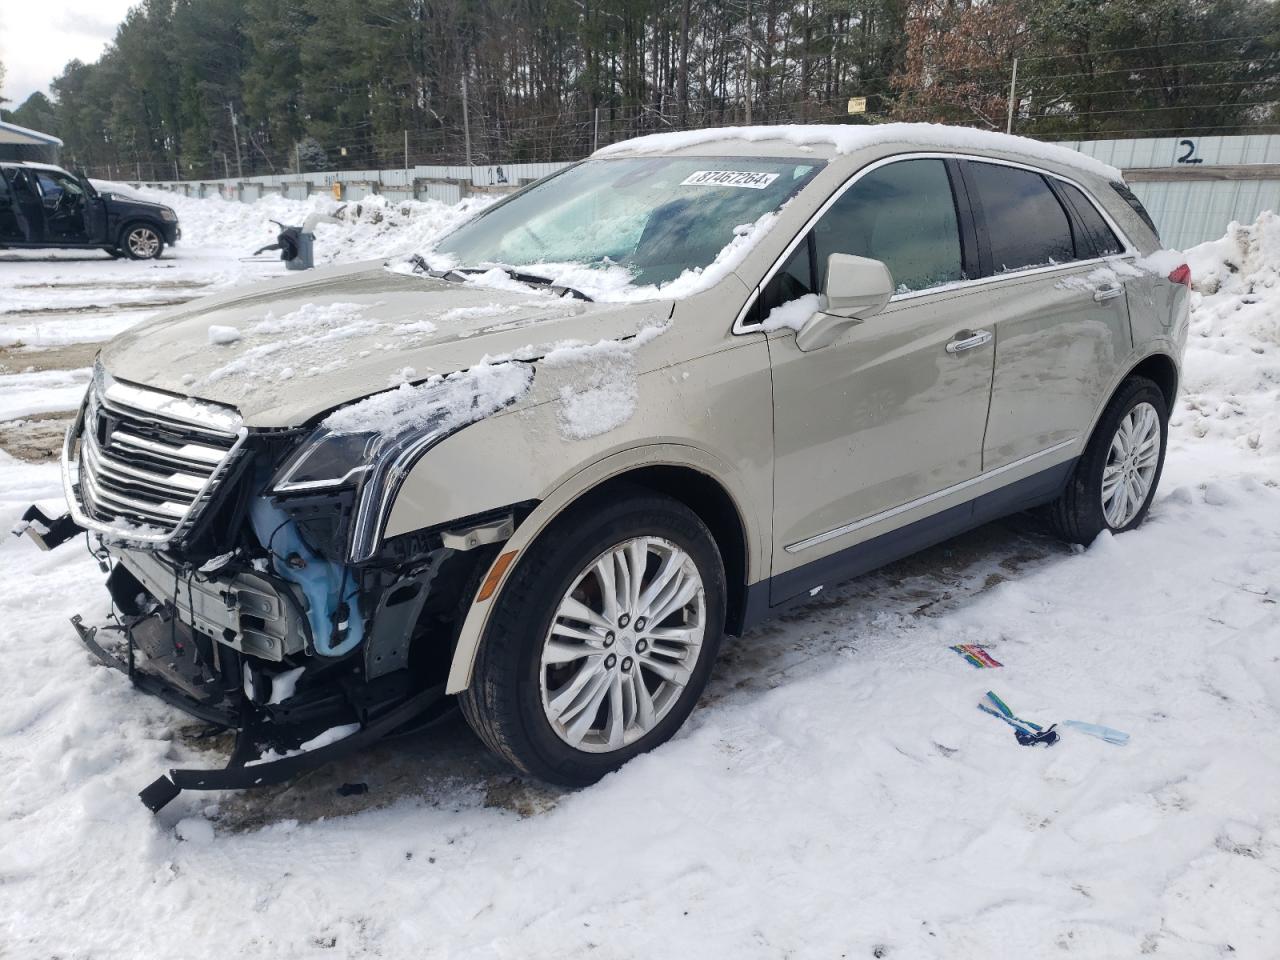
x=623 y=644
x=1131 y=465
x=143 y=242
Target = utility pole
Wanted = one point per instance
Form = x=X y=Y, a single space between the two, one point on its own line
x=1013 y=88
x=226 y=167
x=297 y=157
x=406 y=156
x=466 y=122
x=235 y=135
x=595 y=133
x=176 y=175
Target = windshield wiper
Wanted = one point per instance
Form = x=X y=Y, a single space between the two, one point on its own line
x=458 y=274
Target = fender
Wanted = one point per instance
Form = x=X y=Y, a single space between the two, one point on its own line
x=1155 y=347
x=569 y=492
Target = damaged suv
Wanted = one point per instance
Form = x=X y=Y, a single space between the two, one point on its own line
x=545 y=465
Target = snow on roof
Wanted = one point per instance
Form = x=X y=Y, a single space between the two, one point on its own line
x=847 y=138
x=12 y=133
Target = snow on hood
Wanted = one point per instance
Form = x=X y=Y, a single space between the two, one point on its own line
x=284 y=354
x=847 y=139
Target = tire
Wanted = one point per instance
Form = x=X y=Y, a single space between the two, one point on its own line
x=513 y=694
x=141 y=241
x=1080 y=514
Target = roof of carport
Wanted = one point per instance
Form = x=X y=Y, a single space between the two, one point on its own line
x=12 y=133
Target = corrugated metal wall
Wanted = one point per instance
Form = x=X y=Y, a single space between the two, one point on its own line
x=1191 y=210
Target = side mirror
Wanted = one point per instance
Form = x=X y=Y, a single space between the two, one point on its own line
x=856 y=288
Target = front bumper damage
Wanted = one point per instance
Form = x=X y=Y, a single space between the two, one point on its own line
x=163 y=640
x=246 y=767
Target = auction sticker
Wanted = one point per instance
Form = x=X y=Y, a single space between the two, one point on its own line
x=729 y=178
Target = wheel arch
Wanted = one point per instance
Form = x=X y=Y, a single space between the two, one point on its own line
x=697 y=488
x=1156 y=365
x=1161 y=370
x=708 y=498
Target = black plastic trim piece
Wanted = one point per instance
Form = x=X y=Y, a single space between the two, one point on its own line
x=768 y=597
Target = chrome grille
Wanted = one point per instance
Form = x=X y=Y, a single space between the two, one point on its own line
x=140 y=465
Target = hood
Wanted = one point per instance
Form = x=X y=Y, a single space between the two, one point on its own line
x=284 y=353
x=120 y=203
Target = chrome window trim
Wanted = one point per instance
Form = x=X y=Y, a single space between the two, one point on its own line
x=840 y=531
x=740 y=326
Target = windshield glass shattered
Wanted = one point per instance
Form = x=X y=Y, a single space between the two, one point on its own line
x=651 y=219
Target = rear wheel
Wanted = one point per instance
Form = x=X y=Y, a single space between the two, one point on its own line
x=602 y=640
x=1115 y=480
x=141 y=241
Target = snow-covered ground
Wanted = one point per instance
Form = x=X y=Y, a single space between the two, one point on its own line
x=836 y=795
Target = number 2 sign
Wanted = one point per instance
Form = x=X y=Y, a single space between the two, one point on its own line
x=1188 y=154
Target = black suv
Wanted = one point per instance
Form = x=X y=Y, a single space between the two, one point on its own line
x=45 y=206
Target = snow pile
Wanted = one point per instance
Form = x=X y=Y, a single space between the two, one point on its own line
x=1231 y=385
x=440 y=404
x=220 y=335
x=847 y=139
x=366 y=229
x=38 y=392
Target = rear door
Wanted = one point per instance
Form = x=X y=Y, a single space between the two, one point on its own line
x=12 y=229
x=1056 y=307
x=869 y=429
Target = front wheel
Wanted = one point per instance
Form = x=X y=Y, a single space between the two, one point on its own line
x=1115 y=480
x=141 y=241
x=602 y=640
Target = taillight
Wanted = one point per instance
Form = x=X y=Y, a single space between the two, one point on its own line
x=1181 y=275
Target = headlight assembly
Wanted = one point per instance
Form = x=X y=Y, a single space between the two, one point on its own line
x=327 y=461
x=371 y=445
x=168 y=215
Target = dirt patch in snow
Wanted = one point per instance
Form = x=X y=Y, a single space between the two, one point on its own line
x=72 y=356
x=37 y=440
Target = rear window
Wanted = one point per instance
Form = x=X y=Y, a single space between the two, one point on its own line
x=1105 y=242
x=1026 y=225
x=1132 y=200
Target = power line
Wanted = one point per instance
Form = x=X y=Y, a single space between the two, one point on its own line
x=1152 y=46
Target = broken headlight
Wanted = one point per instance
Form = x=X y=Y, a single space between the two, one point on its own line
x=372 y=445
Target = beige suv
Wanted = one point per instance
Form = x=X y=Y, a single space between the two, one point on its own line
x=644 y=402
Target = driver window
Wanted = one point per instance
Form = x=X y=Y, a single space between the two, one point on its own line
x=902 y=214
x=53 y=188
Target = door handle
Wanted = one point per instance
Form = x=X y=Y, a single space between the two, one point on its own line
x=968 y=339
x=1108 y=292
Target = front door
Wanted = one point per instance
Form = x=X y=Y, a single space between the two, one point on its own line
x=871 y=431
x=65 y=203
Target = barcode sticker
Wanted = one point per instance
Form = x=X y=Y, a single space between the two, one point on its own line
x=729 y=178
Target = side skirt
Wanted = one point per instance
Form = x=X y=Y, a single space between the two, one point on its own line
x=768 y=597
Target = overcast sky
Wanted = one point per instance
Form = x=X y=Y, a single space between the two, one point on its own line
x=38 y=38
